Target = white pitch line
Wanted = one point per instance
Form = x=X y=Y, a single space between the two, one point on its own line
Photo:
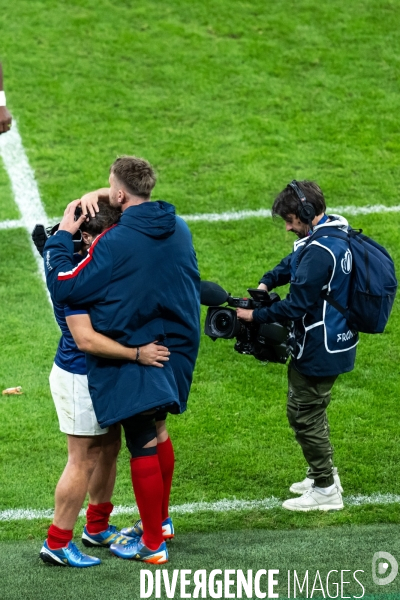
x=26 y=514
x=24 y=187
x=9 y=224
x=240 y=215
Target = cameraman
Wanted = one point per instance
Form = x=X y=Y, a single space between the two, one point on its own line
x=322 y=345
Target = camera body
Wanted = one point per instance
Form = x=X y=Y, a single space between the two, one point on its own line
x=41 y=234
x=266 y=342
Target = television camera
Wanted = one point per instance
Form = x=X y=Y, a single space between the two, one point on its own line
x=266 y=342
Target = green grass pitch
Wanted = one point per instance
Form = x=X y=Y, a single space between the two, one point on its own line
x=229 y=101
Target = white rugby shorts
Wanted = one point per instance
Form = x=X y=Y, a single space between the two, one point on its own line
x=73 y=403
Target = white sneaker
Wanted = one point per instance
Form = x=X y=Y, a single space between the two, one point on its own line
x=312 y=499
x=302 y=486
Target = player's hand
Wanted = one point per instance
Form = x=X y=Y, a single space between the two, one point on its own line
x=90 y=201
x=244 y=314
x=262 y=286
x=68 y=222
x=153 y=355
x=5 y=120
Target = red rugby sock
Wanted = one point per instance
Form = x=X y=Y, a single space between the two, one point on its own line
x=148 y=487
x=166 y=457
x=97 y=517
x=58 y=538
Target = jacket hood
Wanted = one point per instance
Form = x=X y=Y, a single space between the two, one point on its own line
x=156 y=219
x=334 y=221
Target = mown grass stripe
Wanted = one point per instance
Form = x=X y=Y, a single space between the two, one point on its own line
x=26 y=514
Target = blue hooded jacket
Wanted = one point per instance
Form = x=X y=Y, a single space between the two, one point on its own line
x=140 y=283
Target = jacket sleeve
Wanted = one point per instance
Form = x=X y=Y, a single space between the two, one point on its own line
x=278 y=276
x=84 y=283
x=313 y=272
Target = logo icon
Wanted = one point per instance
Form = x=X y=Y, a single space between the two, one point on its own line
x=346 y=263
x=380 y=566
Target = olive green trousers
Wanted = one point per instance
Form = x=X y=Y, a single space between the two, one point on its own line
x=307 y=401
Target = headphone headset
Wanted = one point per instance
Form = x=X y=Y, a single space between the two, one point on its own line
x=306 y=209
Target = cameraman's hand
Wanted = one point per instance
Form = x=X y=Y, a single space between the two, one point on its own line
x=262 y=286
x=152 y=354
x=68 y=222
x=244 y=314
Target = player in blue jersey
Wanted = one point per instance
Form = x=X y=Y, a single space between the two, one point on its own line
x=92 y=451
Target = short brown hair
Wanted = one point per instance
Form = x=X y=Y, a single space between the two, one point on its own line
x=287 y=202
x=136 y=174
x=107 y=216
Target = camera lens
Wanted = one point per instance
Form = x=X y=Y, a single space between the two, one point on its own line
x=222 y=323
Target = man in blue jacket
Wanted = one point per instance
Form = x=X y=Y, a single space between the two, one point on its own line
x=141 y=283
x=323 y=345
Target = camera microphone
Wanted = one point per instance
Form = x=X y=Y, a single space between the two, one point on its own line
x=212 y=294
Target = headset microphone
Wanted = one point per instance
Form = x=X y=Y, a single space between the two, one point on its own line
x=306 y=209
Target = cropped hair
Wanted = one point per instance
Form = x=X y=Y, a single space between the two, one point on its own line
x=107 y=216
x=136 y=174
x=287 y=202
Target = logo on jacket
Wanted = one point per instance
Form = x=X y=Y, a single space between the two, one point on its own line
x=344 y=337
x=347 y=262
x=48 y=265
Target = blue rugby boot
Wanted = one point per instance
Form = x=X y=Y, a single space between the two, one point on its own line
x=68 y=556
x=105 y=538
x=136 y=530
x=136 y=550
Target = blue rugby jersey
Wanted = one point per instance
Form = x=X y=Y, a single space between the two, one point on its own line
x=68 y=356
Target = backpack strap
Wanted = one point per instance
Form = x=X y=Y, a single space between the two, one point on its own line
x=325 y=296
x=333 y=232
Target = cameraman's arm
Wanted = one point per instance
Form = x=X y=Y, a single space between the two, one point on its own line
x=313 y=273
x=89 y=340
x=278 y=276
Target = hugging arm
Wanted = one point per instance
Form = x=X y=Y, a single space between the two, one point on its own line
x=90 y=341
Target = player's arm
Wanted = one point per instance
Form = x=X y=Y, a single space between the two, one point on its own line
x=68 y=283
x=90 y=201
x=5 y=116
x=90 y=341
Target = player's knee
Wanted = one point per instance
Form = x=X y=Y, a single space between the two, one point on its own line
x=140 y=431
x=111 y=441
